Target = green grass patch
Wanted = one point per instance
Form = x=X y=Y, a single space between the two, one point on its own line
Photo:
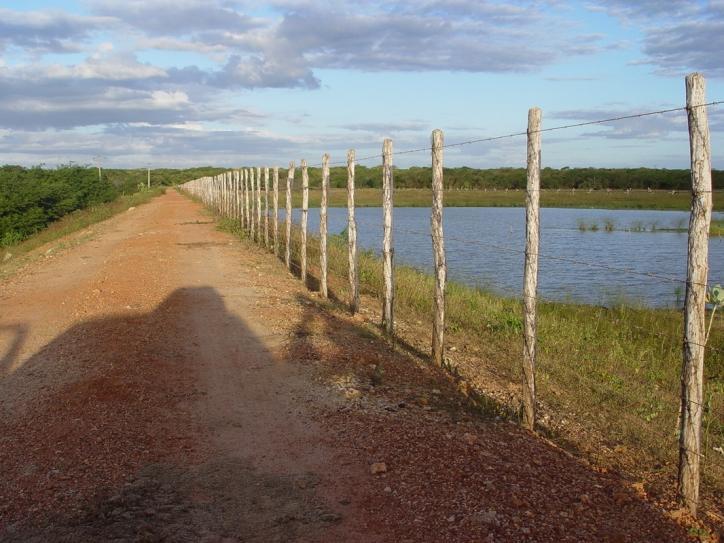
x=414 y=197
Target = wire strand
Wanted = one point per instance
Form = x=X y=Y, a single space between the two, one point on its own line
x=524 y=133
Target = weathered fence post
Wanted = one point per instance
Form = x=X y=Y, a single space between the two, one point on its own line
x=245 y=208
x=266 y=208
x=692 y=371
x=388 y=293
x=252 y=182
x=305 y=213
x=530 y=279
x=235 y=188
x=288 y=218
x=239 y=195
x=438 y=249
x=323 y=228
x=222 y=193
x=259 y=232
x=352 y=236
x=275 y=199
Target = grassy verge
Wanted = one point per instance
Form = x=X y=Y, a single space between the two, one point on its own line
x=717 y=228
x=80 y=219
x=608 y=378
x=371 y=197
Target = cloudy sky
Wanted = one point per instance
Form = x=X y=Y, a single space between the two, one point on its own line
x=231 y=82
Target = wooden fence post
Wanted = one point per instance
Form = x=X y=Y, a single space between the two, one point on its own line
x=224 y=180
x=323 y=228
x=530 y=280
x=266 y=208
x=238 y=196
x=692 y=371
x=352 y=236
x=305 y=213
x=252 y=182
x=288 y=225
x=388 y=293
x=259 y=232
x=438 y=249
x=235 y=193
x=275 y=199
x=227 y=187
x=244 y=198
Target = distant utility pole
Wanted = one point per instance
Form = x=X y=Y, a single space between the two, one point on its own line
x=149 y=177
x=98 y=159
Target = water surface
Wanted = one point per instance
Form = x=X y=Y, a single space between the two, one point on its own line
x=484 y=247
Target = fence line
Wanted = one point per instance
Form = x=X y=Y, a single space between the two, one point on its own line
x=550 y=129
x=219 y=194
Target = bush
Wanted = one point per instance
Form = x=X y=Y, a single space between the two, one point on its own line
x=32 y=198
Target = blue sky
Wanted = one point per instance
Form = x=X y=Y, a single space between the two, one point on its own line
x=178 y=83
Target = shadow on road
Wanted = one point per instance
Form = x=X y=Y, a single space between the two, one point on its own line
x=112 y=431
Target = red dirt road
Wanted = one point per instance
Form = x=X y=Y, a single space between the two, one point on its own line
x=162 y=381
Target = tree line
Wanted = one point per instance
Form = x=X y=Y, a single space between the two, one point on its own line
x=32 y=198
x=515 y=178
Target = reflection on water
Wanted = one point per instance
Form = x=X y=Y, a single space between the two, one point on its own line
x=485 y=246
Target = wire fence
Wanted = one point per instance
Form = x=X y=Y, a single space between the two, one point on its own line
x=525 y=133
x=226 y=192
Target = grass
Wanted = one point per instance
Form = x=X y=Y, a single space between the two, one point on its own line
x=81 y=219
x=717 y=228
x=608 y=378
x=368 y=197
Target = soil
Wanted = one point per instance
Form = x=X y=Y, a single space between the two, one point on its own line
x=161 y=380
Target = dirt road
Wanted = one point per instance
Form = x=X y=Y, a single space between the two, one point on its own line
x=163 y=381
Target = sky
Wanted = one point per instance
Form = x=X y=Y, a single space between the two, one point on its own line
x=180 y=83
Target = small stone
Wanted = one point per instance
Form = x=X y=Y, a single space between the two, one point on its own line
x=451 y=518
x=352 y=393
x=330 y=517
x=470 y=439
x=388 y=489
x=7 y=257
x=436 y=392
x=489 y=517
x=639 y=489
x=378 y=468
x=452 y=349
x=585 y=499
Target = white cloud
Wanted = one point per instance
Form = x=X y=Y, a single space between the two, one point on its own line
x=166 y=99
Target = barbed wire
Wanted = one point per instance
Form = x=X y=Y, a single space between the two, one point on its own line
x=525 y=133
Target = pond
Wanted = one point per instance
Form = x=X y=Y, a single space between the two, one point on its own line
x=582 y=250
